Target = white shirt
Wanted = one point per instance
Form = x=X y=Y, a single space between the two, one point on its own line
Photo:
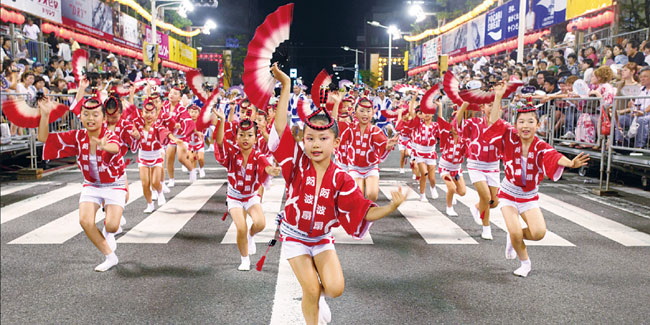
x=587 y=77
x=32 y=31
x=641 y=104
x=64 y=52
x=569 y=38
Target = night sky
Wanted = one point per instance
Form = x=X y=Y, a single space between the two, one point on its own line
x=318 y=31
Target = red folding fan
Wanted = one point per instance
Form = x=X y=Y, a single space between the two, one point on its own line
x=428 y=103
x=406 y=88
x=390 y=114
x=79 y=63
x=450 y=84
x=322 y=79
x=140 y=84
x=195 y=81
x=205 y=116
x=305 y=108
x=259 y=83
x=478 y=96
x=21 y=114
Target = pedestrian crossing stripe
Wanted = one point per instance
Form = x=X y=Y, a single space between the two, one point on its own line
x=7 y=189
x=24 y=207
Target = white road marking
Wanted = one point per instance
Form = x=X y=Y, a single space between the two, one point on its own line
x=496 y=217
x=288 y=295
x=162 y=225
x=64 y=228
x=430 y=223
x=21 y=208
x=7 y=189
x=613 y=230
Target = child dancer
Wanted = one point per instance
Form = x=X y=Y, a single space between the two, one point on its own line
x=367 y=146
x=247 y=170
x=423 y=142
x=482 y=167
x=98 y=156
x=526 y=160
x=320 y=196
x=452 y=155
x=197 y=142
x=183 y=128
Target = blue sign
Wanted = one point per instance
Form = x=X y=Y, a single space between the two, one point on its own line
x=546 y=13
x=511 y=27
x=232 y=43
x=495 y=25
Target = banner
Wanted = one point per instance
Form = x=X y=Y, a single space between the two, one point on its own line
x=545 y=13
x=575 y=8
x=476 y=33
x=495 y=23
x=163 y=43
x=430 y=51
x=181 y=53
x=127 y=28
x=93 y=16
x=46 y=9
x=455 y=41
x=512 y=19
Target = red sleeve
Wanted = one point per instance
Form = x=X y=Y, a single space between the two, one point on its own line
x=107 y=156
x=187 y=125
x=76 y=109
x=379 y=143
x=285 y=152
x=496 y=133
x=550 y=159
x=224 y=153
x=352 y=206
x=126 y=137
x=60 y=145
x=262 y=163
x=444 y=125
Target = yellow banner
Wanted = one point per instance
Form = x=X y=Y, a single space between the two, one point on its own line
x=406 y=60
x=181 y=53
x=575 y=8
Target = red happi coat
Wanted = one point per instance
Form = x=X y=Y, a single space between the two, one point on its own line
x=243 y=181
x=405 y=129
x=122 y=129
x=542 y=160
x=452 y=152
x=310 y=216
x=424 y=138
x=481 y=155
x=182 y=117
x=363 y=150
x=77 y=143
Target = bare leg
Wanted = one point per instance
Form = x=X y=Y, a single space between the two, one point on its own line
x=372 y=188
x=305 y=271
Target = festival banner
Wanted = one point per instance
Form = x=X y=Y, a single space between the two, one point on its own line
x=163 y=43
x=94 y=17
x=545 y=13
x=476 y=33
x=455 y=41
x=46 y=9
x=575 y=8
x=431 y=50
x=511 y=28
x=495 y=24
x=126 y=28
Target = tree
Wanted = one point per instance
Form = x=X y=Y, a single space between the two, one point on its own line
x=369 y=78
x=634 y=15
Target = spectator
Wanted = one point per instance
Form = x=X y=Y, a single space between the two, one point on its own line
x=64 y=51
x=31 y=32
x=628 y=86
x=6 y=50
x=642 y=110
x=646 y=52
x=633 y=54
x=573 y=64
x=54 y=43
x=75 y=46
x=590 y=53
x=588 y=69
x=570 y=37
x=40 y=85
x=619 y=56
x=67 y=71
x=608 y=56
x=595 y=42
x=39 y=69
x=49 y=74
x=26 y=85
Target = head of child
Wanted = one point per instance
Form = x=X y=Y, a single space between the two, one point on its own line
x=149 y=112
x=247 y=110
x=246 y=134
x=113 y=110
x=92 y=115
x=527 y=122
x=260 y=118
x=426 y=118
x=175 y=95
x=194 y=111
x=364 y=111
x=270 y=113
x=320 y=137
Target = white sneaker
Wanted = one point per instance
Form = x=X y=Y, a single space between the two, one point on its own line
x=423 y=198
x=401 y=170
x=434 y=192
x=413 y=177
x=170 y=183
x=150 y=207
x=476 y=215
x=324 y=312
x=511 y=254
x=245 y=264
x=154 y=195
x=165 y=189
x=184 y=169
x=110 y=239
x=122 y=223
x=192 y=176
x=487 y=233
x=161 y=199
x=523 y=270
x=252 y=249
x=201 y=173
x=111 y=260
x=451 y=212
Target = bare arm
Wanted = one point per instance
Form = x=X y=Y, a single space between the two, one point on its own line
x=376 y=213
x=577 y=162
x=499 y=90
x=44 y=106
x=218 y=136
x=283 y=104
x=460 y=115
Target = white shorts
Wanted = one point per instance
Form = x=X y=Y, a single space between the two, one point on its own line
x=492 y=178
x=232 y=203
x=520 y=206
x=427 y=161
x=150 y=166
x=103 y=195
x=292 y=249
x=401 y=147
x=364 y=172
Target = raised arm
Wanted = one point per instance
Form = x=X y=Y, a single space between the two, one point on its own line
x=495 y=113
x=460 y=115
x=376 y=213
x=218 y=136
x=44 y=107
x=283 y=104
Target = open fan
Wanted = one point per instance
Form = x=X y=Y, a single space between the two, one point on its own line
x=120 y=90
x=259 y=83
x=346 y=83
x=305 y=108
x=428 y=103
x=79 y=63
x=195 y=81
x=322 y=79
x=450 y=84
x=140 y=84
x=21 y=114
x=478 y=96
x=389 y=114
x=205 y=116
x=406 y=88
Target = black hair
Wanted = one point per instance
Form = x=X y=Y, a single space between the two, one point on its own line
x=634 y=44
x=112 y=103
x=550 y=79
x=560 y=58
x=534 y=113
x=590 y=62
x=573 y=55
x=94 y=100
x=326 y=119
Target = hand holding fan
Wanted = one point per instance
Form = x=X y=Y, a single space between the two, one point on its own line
x=21 y=114
x=79 y=63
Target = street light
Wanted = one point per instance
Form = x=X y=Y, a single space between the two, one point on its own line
x=393 y=31
x=416 y=11
x=186 y=6
x=356 y=62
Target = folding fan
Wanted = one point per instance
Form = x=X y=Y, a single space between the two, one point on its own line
x=478 y=96
x=305 y=108
x=140 y=84
x=205 y=116
x=345 y=83
x=120 y=90
x=259 y=83
x=195 y=81
x=389 y=114
x=79 y=63
x=21 y=114
x=322 y=79
x=428 y=103
x=406 y=88
x=450 y=85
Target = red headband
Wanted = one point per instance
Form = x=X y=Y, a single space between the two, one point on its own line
x=153 y=107
x=251 y=124
x=117 y=103
x=529 y=107
x=194 y=107
x=154 y=96
x=324 y=93
x=87 y=105
x=365 y=99
x=320 y=127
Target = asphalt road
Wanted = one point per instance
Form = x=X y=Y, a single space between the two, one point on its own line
x=594 y=268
